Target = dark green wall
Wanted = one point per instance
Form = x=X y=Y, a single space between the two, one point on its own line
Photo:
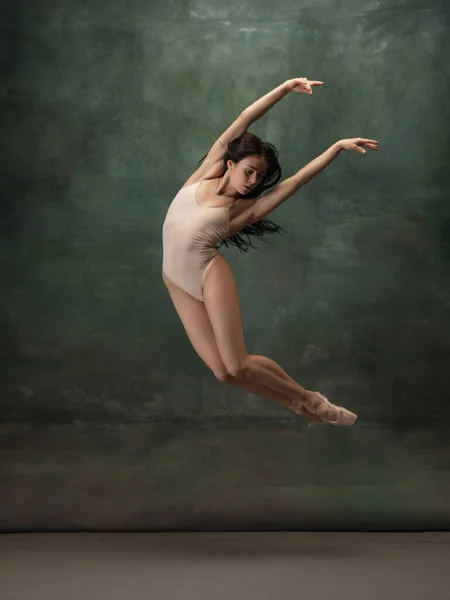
x=109 y=420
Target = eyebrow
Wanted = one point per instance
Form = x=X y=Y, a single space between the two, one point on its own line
x=252 y=167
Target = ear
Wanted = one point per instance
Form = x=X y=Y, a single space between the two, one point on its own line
x=230 y=164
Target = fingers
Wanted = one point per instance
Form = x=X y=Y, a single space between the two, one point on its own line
x=371 y=144
x=311 y=84
x=303 y=85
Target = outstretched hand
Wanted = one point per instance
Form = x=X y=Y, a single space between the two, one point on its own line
x=358 y=144
x=301 y=85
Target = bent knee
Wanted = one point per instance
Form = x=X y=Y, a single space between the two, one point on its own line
x=222 y=376
x=238 y=368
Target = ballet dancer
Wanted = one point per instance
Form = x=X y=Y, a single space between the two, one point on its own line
x=219 y=204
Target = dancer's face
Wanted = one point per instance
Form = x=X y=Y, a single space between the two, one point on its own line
x=247 y=173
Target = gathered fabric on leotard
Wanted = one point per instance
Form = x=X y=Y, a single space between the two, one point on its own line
x=191 y=234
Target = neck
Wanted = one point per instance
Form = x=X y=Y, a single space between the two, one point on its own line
x=223 y=187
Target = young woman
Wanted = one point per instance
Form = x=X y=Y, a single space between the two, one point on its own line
x=220 y=201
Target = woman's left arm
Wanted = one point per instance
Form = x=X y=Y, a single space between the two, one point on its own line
x=264 y=205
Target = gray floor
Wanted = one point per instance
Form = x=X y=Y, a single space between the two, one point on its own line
x=220 y=566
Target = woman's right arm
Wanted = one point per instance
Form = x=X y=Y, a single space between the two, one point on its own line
x=255 y=111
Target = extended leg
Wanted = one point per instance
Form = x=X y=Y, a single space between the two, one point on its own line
x=198 y=327
x=265 y=392
x=223 y=307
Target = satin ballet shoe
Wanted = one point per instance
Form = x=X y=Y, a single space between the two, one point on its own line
x=346 y=417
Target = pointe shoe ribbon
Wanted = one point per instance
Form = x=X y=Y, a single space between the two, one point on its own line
x=346 y=417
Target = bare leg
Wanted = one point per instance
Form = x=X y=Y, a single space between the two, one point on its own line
x=223 y=308
x=264 y=392
x=311 y=398
x=315 y=407
x=260 y=370
x=198 y=328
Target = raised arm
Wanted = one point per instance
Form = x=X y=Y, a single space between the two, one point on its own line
x=254 y=112
x=287 y=188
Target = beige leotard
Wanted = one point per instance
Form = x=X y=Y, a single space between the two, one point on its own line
x=191 y=234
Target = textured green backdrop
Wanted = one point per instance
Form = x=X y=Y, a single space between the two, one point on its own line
x=109 y=420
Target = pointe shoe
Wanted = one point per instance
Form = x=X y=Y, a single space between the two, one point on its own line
x=346 y=417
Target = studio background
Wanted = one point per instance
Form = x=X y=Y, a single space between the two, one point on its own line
x=109 y=420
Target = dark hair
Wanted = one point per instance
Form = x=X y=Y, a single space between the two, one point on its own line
x=242 y=146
